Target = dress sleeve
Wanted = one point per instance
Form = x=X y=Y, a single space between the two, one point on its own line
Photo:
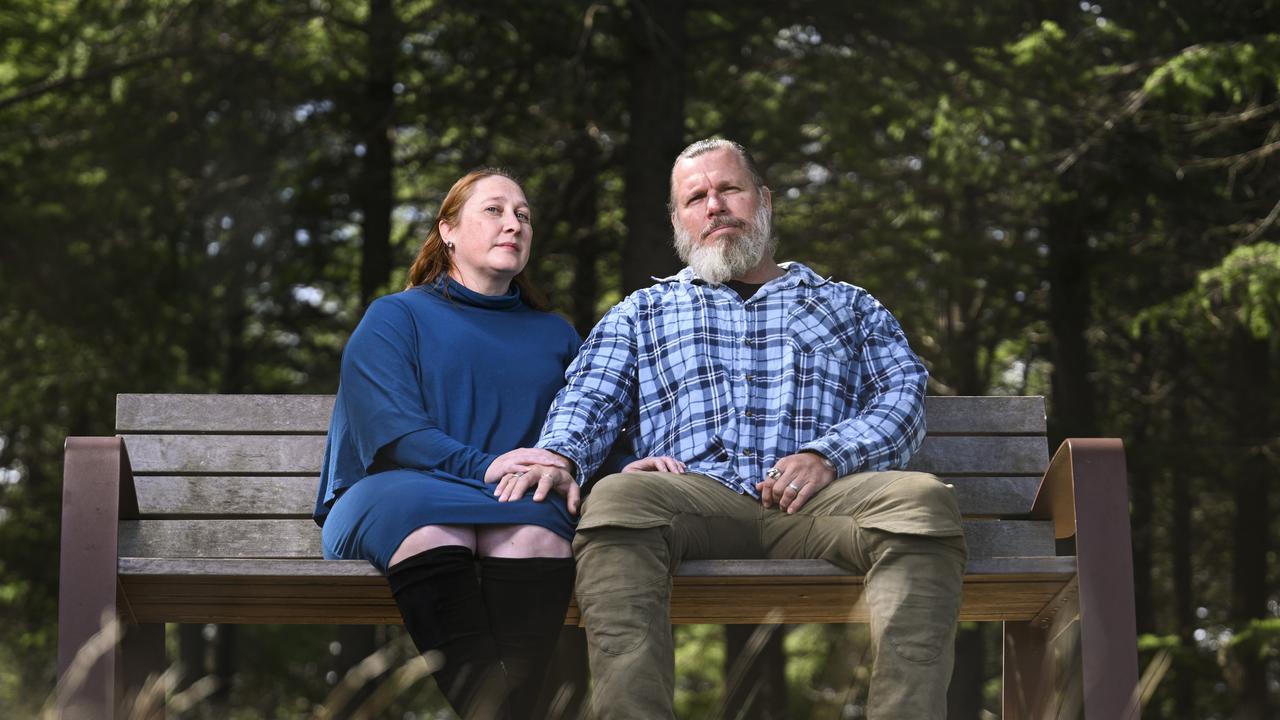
x=890 y=424
x=382 y=395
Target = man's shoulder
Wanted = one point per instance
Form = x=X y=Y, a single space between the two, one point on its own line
x=802 y=276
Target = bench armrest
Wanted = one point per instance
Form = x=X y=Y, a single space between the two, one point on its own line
x=1085 y=488
x=97 y=492
x=1085 y=493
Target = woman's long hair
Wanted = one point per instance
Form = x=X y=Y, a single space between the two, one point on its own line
x=433 y=260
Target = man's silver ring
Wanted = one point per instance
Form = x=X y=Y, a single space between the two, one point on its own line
x=773 y=473
x=794 y=486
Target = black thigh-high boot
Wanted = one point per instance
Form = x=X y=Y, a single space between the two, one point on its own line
x=439 y=598
x=526 y=599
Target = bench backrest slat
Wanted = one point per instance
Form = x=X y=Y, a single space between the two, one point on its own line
x=251 y=538
x=285 y=496
x=302 y=454
x=310 y=414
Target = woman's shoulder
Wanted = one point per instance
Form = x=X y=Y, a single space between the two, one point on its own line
x=552 y=323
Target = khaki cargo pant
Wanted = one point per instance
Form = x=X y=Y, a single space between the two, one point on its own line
x=900 y=529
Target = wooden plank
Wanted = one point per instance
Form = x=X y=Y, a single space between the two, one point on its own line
x=169 y=413
x=294 y=496
x=953 y=455
x=226 y=454
x=220 y=496
x=339 y=572
x=202 y=538
x=368 y=600
x=166 y=413
x=299 y=454
x=978 y=415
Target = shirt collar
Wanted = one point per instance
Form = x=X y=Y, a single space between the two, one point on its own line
x=796 y=274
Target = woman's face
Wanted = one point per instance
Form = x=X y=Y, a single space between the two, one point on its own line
x=493 y=236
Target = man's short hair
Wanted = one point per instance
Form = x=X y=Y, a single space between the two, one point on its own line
x=706 y=145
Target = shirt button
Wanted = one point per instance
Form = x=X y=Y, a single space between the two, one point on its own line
x=748 y=377
x=746 y=341
x=749 y=414
x=748 y=452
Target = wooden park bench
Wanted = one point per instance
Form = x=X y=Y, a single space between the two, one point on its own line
x=199 y=511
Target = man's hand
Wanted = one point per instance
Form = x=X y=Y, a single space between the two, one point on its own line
x=793 y=480
x=655 y=463
x=522 y=459
x=544 y=479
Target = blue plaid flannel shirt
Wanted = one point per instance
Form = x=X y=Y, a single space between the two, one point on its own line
x=687 y=369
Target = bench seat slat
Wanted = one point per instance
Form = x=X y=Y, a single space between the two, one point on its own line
x=345 y=572
x=176 y=595
x=165 y=413
x=301 y=454
x=240 y=538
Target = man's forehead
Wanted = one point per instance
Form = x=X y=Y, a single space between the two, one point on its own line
x=721 y=162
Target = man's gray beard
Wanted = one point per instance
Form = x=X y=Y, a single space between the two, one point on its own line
x=726 y=259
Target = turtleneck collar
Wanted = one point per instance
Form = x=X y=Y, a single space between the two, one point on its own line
x=450 y=289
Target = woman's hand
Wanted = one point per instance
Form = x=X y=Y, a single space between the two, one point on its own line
x=655 y=463
x=520 y=460
x=544 y=479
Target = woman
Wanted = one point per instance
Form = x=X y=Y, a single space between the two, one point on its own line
x=439 y=383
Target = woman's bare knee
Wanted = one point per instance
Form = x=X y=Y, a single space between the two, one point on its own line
x=434 y=536
x=520 y=541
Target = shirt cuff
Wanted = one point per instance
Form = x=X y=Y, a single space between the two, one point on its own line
x=572 y=457
x=843 y=460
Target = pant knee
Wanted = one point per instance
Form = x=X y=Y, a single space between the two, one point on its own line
x=613 y=558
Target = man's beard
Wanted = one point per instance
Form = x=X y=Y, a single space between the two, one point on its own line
x=731 y=256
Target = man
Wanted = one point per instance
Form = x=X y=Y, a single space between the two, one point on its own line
x=786 y=398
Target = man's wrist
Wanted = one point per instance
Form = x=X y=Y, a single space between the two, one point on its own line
x=825 y=460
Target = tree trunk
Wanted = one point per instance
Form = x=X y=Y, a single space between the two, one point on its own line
x=1250 y=370
x=1070 y=304
x=1183 y=589
x=582 y=215
x=656 y=70
x=376 y=194
x=964 y=696
x=375 y=188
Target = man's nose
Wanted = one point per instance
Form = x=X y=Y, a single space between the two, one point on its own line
x=715 y=203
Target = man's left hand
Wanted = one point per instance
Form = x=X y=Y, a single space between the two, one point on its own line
x=793 y=480
x=542 y=479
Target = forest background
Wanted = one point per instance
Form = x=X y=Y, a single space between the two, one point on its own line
x=1058 y=198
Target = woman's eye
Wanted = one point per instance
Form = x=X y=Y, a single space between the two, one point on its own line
x=493 y=210
x=522 y=216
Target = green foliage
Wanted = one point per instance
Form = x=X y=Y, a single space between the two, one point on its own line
x=1243 y=290
x=184 y=187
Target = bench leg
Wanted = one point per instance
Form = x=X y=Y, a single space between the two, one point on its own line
x=142 y=659
x=1042 y=668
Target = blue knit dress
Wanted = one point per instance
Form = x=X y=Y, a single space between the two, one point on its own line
x=436 y=382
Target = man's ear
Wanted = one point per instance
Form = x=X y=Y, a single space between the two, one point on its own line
x=767 y=196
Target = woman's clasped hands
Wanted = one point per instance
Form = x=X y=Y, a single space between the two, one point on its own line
x=517 y=471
